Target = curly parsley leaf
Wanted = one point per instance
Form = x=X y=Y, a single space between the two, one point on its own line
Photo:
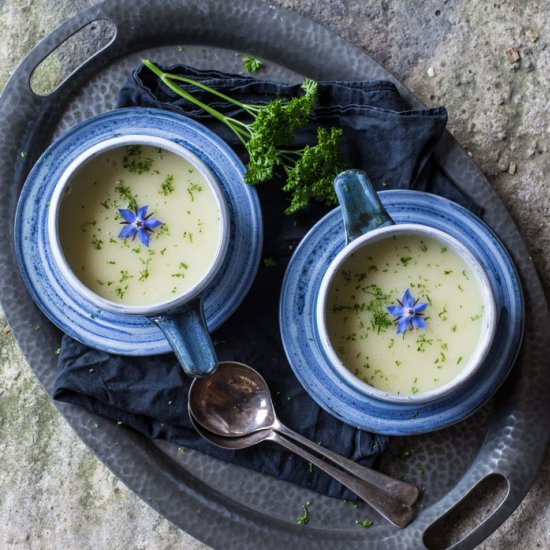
x=315 y=170
x=252 y=64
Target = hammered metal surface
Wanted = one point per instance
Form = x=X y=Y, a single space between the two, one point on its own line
x=223 y=505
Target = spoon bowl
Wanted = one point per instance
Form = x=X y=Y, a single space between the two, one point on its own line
x=233 y=401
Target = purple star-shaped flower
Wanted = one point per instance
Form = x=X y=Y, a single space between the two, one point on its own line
x=137 y=223
x=409 y=313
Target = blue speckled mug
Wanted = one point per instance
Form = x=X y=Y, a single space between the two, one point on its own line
x=181 y=317
x=367 y=223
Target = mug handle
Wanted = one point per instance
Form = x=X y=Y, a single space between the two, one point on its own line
x=360 y=205
x=186 y=332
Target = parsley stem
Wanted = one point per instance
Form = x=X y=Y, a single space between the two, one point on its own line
x=164 y=76
x=248 y=108
x=239 y=128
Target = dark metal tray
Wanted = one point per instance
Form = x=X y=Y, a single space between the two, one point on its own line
x=223 y=505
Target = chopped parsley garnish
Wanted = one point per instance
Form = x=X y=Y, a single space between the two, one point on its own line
x=183 y=266
x=124 y=275
x=97 y=243
x=144 y=274
x=121 y=291
x=303 y=520
x=404 y=453
x=167 y=186
x=194 y=188
x=365 y=524
x=252 y=64
x=127 y=195
x=135 y=162
x=380 y=321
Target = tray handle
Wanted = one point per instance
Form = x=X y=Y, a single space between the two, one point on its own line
x=55 y=40
x=477 y=497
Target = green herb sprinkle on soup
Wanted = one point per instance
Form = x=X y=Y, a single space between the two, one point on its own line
x=405 y=342
x=139 y=225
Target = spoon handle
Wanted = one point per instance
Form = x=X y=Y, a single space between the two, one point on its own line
x=395 y=511
x=400 y=490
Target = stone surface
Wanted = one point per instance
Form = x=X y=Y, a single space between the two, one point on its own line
x=488 y=63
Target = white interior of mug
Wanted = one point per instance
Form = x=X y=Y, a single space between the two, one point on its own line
x=489 y=319
x=54 y=236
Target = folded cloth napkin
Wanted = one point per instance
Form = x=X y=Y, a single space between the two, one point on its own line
x=392 y=144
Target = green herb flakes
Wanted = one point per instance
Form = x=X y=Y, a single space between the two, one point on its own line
x=304 y=520
x=135 y=162
x=126 y=195
x=167 y=186
x=365 y=524
x=252 y=64
x=144 y=273
x=96 y=242
x=404 y=453
x=192 y=189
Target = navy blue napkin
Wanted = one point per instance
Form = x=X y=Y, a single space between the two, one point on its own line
x=381 y=136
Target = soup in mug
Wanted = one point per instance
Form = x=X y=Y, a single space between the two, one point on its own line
x=433 y=324
x=139 y=225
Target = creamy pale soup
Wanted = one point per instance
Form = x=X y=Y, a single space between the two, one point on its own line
x=182 y=242
x=364 y=333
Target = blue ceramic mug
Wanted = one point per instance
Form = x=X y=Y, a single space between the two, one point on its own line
x=180 y=316
x=405 y=312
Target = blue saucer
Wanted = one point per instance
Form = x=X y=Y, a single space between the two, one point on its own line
x=125 y=334
x=329 y=389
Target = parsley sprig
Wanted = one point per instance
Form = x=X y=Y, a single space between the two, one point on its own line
x=268 y=139
x=251 y=63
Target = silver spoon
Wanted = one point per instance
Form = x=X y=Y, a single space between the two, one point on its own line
x=235 y=401
x=395 y=511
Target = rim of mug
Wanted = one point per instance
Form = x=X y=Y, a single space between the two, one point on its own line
x=57 y=199
x=489 y=318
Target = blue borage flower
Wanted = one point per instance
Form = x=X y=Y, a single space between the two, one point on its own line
x=408 y=314
x=137 y=222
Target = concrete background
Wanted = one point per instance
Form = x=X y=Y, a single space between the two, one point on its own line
x=54 y=493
